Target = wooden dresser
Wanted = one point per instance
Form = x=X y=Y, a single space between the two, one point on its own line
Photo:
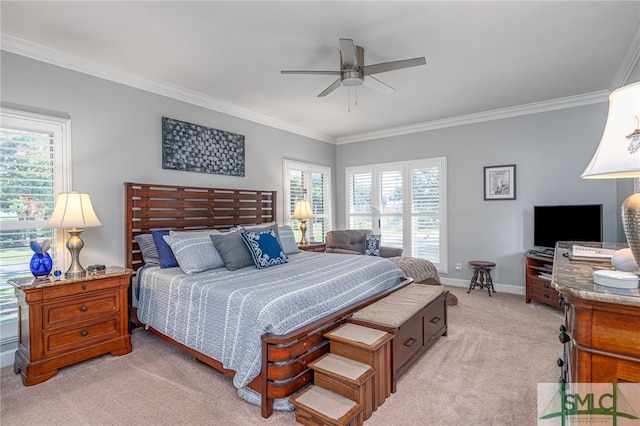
x=67 y=321
x=601 y=334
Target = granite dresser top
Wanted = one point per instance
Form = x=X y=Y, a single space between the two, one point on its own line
x=575 y=277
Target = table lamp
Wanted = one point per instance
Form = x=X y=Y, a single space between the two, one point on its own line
x=74 y=210
x=618 y=156
x=303 y=212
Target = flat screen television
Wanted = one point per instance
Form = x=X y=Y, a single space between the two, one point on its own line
x=566 y=223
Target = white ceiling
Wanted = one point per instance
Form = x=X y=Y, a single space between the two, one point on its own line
x=481 y=56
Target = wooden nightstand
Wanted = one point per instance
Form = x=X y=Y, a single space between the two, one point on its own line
x=68 y=321
x=319 y=247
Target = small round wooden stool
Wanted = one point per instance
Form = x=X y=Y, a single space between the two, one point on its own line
x=481 y=275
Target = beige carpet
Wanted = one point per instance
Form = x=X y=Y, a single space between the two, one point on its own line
x=484 y=373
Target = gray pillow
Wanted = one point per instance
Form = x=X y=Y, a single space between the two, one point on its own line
x=288 y=240
x=233 y=250
x=194 y=251
x=148 y=248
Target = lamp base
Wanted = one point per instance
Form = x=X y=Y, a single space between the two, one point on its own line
x=75 y=244
x=303 y=231
x=631 y=223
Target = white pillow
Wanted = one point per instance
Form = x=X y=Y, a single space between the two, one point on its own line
x=194 y=251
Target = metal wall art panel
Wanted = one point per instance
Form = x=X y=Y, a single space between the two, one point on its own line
x=194 y=148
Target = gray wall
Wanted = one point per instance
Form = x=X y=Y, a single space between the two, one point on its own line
x=550 y=151
x=116 y=137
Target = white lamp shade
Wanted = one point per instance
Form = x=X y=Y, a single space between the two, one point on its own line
x=618 y=155
x=73 y=210
x=302 y=210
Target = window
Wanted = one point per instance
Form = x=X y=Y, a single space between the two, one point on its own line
x=405 y=203
x=34 y=167
x=311 y=182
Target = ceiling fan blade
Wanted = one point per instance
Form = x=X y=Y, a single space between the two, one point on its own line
x=311 y=72
x=348 y=58
x=391 y=66
x=331 y=88
x=376 y=84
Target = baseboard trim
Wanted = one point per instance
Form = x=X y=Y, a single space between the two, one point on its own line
x=504 y=288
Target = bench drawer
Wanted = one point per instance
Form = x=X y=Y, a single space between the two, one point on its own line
x=407 y=341
x=434 y=319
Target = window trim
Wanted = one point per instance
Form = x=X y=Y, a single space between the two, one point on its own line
x=60 y=129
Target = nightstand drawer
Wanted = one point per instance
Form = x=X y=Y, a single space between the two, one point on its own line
x=81 y=336
x=82 y=309
x=89 y=285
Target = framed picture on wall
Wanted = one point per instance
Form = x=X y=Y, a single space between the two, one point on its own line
x=500 y=182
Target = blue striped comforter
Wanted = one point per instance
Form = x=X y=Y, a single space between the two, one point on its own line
x=223 y=313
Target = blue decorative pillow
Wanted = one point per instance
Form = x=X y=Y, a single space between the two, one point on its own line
x=167 y=259
x=372 y=245
x=233 y=250
x=264 y=248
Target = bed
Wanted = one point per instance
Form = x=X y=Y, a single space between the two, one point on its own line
x=286 y=308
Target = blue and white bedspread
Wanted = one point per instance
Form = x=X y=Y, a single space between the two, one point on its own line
x=223 y=313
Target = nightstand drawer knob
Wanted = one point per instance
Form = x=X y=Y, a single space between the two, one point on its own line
x=83 y=308
x=84 y=333
x=436 y=320
x=84 y=286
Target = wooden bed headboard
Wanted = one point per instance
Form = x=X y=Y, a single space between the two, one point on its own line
x=169 y=207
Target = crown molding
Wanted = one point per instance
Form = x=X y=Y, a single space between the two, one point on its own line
x=52 y=56
x=630 y=61
x=46 y=54
x=498 y=114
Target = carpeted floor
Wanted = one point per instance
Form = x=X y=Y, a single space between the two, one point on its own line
x=485 y=372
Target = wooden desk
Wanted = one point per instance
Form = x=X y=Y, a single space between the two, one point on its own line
x=601 y=334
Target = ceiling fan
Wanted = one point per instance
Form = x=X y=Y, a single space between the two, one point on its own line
x=353 y=71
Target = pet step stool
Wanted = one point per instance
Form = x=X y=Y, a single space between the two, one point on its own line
x=346 y=377
x=369 y=346
x=317 y=406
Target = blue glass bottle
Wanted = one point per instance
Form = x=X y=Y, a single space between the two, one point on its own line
x=41 y=265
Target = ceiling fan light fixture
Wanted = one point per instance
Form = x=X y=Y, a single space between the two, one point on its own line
x=352 y=78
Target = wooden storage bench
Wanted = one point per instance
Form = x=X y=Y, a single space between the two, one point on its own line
x=416 y=315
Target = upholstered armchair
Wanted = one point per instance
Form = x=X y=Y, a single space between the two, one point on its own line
x=351 y=241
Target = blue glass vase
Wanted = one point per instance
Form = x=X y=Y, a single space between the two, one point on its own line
x=41 y=265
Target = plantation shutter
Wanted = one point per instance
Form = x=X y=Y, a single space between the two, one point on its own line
x=391 y=206
x=360 y=200
x=404 y=202
x=312 y=182
x=425 y=212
